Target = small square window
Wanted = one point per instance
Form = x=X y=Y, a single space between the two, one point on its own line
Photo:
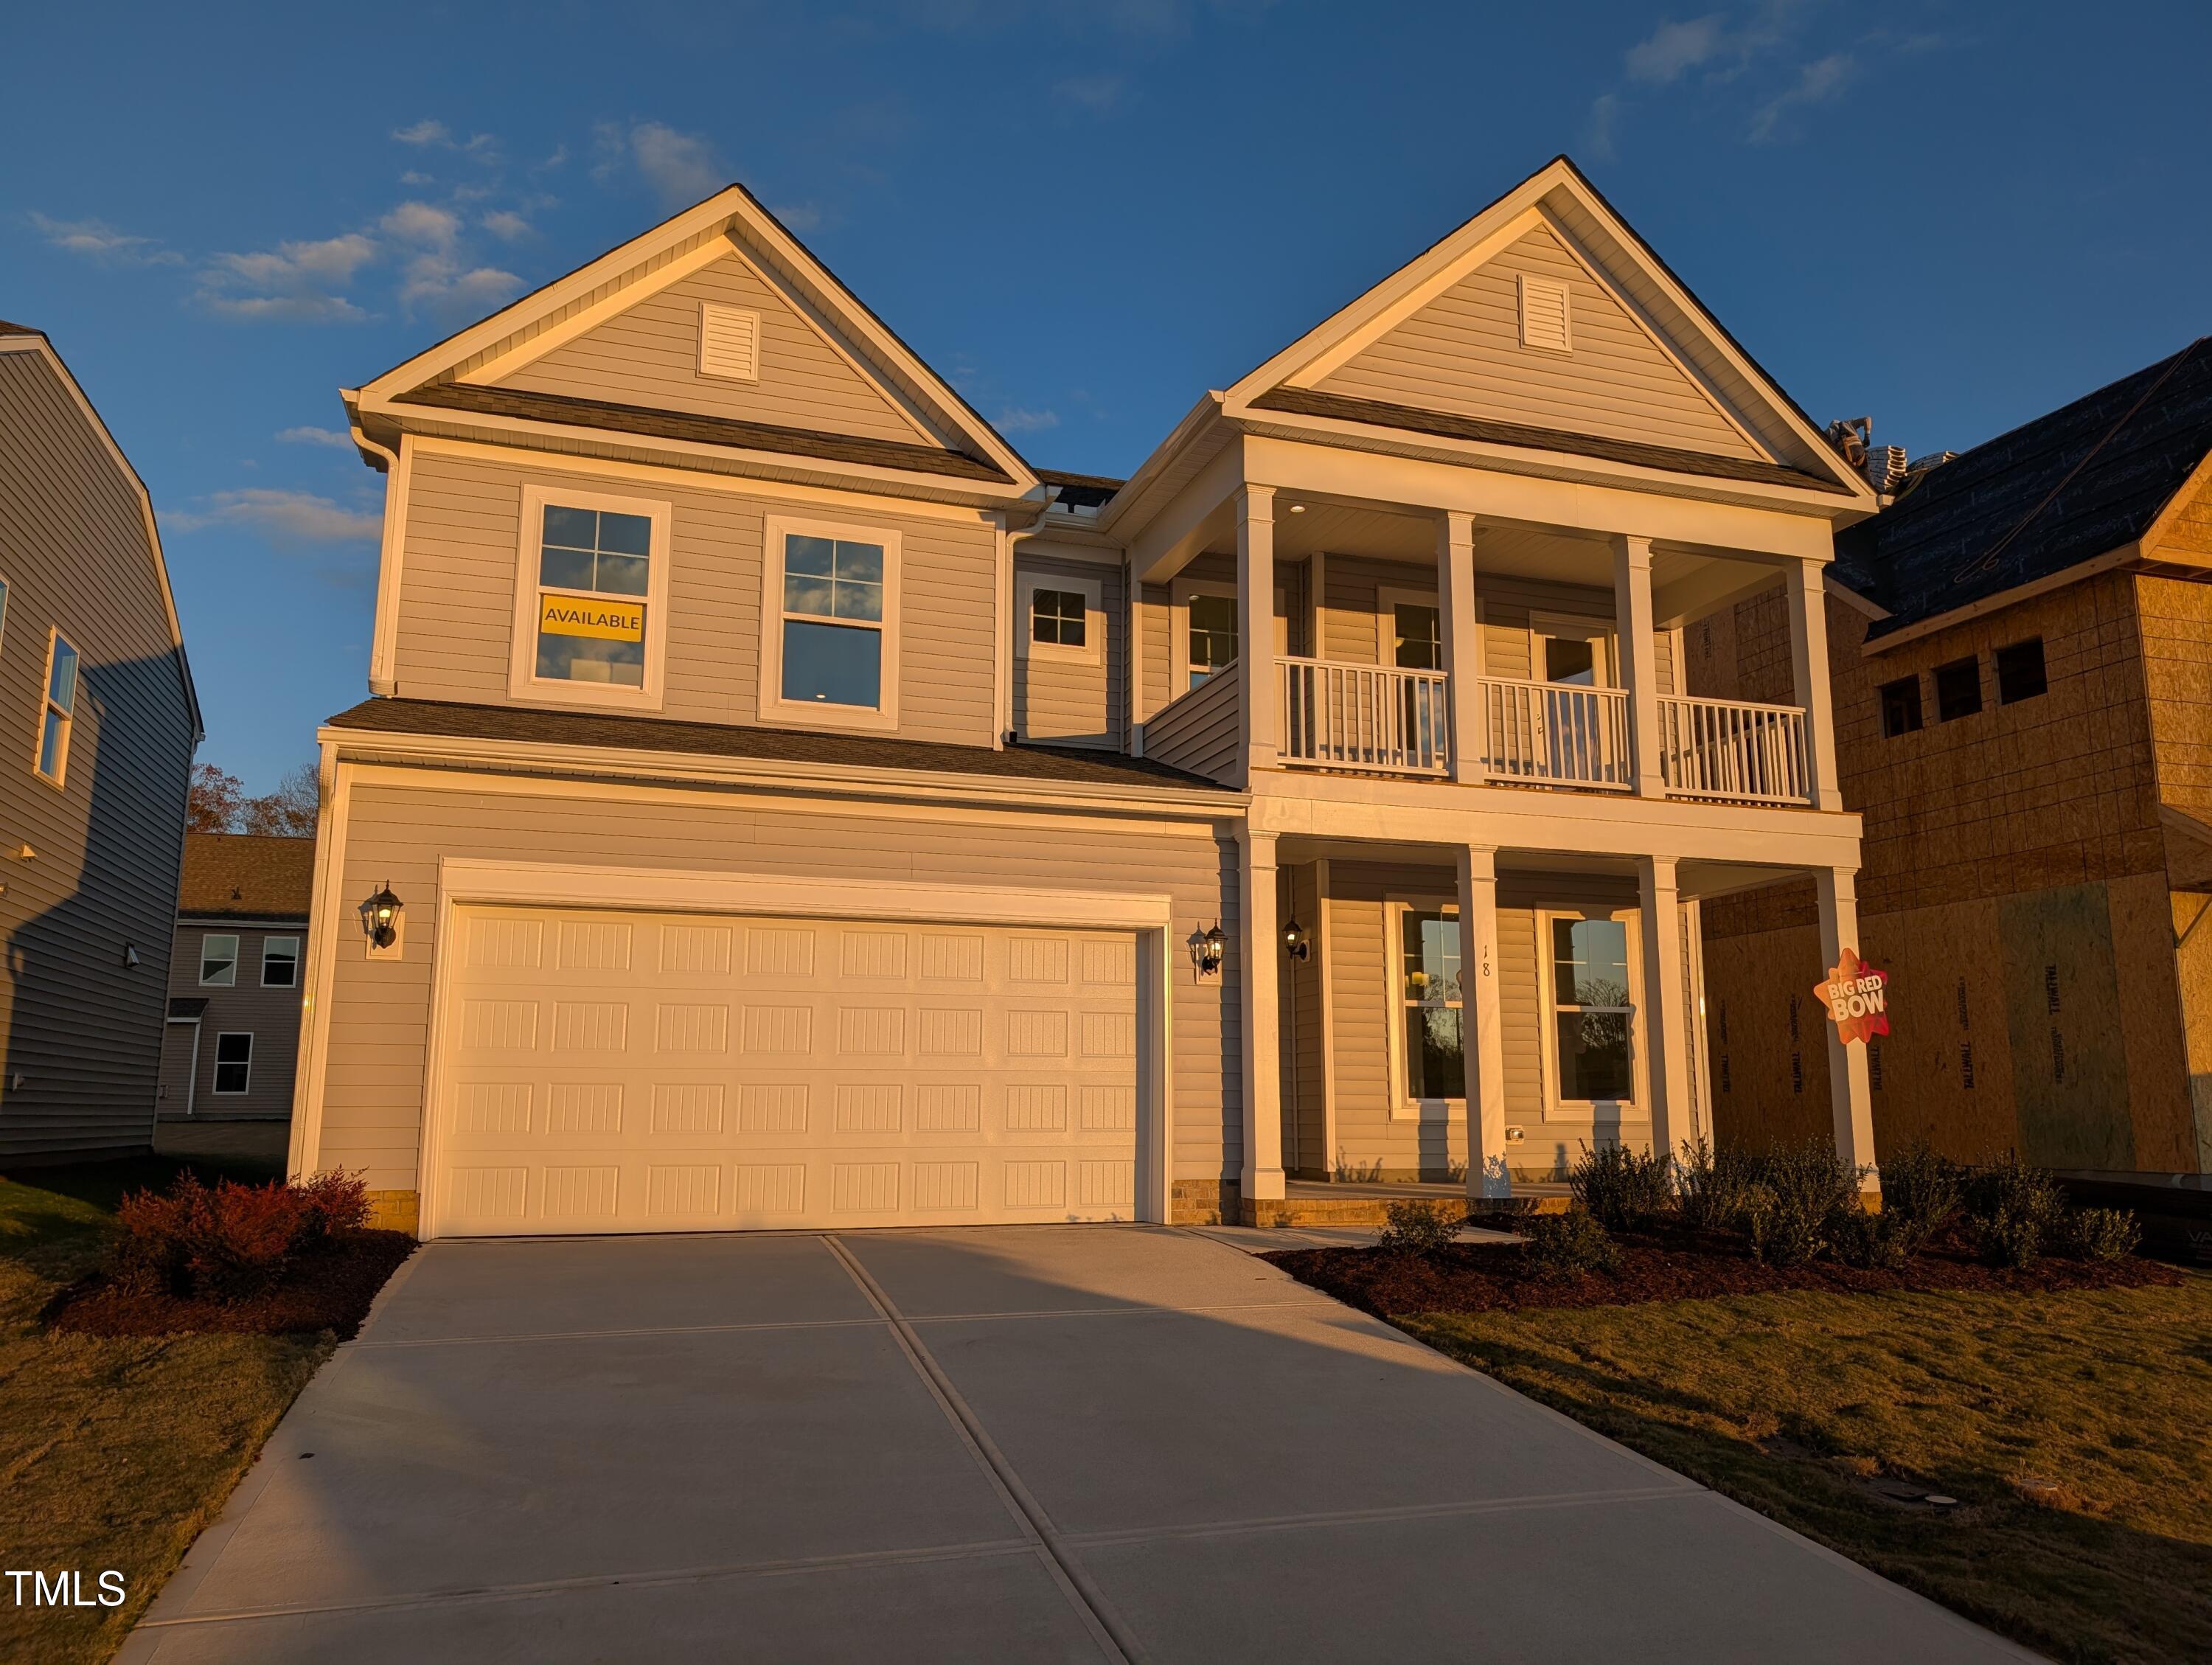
x=280 y=962
x=1058 y=617
x=1957 y=690
x=1900 y=706
x=2020 y=671
x=218 y=961
x=234 y=1063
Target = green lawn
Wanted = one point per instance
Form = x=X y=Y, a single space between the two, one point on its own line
x=1798 y=1404
x=113 y=1454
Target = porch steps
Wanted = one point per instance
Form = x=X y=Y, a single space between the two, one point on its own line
x=1312 y=1203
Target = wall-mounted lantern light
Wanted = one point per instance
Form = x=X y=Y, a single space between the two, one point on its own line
x=1297 y=941
x=379 y=918
x=1206 y=951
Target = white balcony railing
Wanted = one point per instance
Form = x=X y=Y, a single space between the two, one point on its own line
x=1556 y=734
x=1374 y=718
x=1728 y=749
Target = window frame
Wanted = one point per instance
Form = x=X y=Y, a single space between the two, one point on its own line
x=1981 y=702
x=1403 y=1106
x=236 y=948
x=522 y=681
x=1387 y=600
x=1636 y=1107
x=773 y=708
x=1919 y=707
x=1093 y=590
x=294 y=983
x=1602 y=634
x=58 y=779
x=215 y=1081
x=2042 y=669
x=6 y=590
x=1182 y=594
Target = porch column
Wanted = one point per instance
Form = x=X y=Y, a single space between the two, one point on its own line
x=1631 y=606
x=1665 y=1029
x=1848 y=1095
x=1462 y=641
x=1808 y=667
x=1257 y=949
x=1482 y=1039
x=1255 y=626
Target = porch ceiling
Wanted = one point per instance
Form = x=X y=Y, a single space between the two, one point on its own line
x=1696 y=879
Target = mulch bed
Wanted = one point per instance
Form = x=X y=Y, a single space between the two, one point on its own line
x=1492 y=1277
x=329 y=1288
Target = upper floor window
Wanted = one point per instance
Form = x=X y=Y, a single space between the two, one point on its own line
x=57 y=714
x=591 y=597
x=3 y=608
x=280 y=962
x=1957 y=690
x=1900 y=706
x=1062 y=617
x=2020 y=671
x=218 y=961
x=1211 y=636
x=829 y=640
x=1419 y=636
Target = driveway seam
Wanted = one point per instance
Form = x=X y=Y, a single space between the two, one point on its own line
x=1418 y=1511
x=1081 y=1590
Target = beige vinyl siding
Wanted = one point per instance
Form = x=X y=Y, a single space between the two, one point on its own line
x=271 y=1016
x=1156 y=620
x=1507 y=604
x=1202 y=731
x=1462 y=353
x=649 y=355
x=83 y=1030
x=379 y=1011
x=457 y=597
x=1061 y=701
x=1520 y=1005
x=1354 y=631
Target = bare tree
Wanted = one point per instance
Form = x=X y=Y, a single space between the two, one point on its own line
x=290 y=810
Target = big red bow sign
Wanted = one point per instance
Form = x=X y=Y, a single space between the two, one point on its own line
x=1856 y=995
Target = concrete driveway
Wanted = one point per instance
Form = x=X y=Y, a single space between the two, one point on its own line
x=1056 y=1443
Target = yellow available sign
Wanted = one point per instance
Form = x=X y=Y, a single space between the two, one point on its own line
x=609 y=620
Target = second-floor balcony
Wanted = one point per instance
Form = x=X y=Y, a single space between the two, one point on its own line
x=1359 y=717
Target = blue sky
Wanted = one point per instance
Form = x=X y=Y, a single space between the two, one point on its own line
x=1083 y=212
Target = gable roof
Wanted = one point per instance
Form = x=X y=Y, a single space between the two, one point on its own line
x=730 y=222
x=2088 y=479
x=22 y=337
x=246 y=875
x=1561 y=202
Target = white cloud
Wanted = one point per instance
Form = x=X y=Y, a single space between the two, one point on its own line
x=334 y=438
x=1817 y=82
x=423 y=132
x=96 y=239
x=1098 y=94
x=419 y=223
x=448 y=285
x=1597 y=131
x=508 y=226
x=414 y=176
x=681 y=167
x=1674 y=48
x=1016 y=420
x=296 y=280
x=283 y=517
x=800 y=216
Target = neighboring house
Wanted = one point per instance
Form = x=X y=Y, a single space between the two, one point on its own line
x=2023 y=673
x=233 y=1043
x=799 y=811
x=98 y=721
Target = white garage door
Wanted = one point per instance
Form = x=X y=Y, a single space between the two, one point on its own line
x=628 y=1072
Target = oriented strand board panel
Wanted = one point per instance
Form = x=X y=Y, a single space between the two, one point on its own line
x=648 y=356
x=2062 y=1009
x=1462 y=353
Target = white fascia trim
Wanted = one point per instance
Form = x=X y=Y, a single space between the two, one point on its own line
x=464 y=879
x=384 y=641
x=678 y=768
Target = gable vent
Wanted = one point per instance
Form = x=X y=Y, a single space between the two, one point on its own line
x=729 y=342
x=1544 y=314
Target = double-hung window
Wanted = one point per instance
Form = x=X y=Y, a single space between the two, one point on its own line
x=280 y=962
x=1432 y=1037
x=57 y=714
x=591 y=599
x=234 y=1063
x=1417 y=637
x=1592 y=1018
x=218 y=961
x=1211 y=636
x=830 y=608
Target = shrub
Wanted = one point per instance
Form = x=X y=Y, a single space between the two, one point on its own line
x=1885 y=1241
x=1920 y=1185
x=1566 y=1245
x=1713 y=1186
x=2014 y=1211
x=1620 y=1188
x=335 y=1203
x=227 y=1241
x=2099 y=1234
x=1417 y=1228
x=1803 y=1195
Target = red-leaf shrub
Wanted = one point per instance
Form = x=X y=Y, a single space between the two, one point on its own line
x=231 y=1241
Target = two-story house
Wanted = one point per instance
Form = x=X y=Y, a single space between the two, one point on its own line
x=2023 y=664
x=98 y=724
x=782 y=806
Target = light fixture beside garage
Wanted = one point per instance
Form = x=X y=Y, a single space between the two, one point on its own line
x=379 y=920
x=1297 y=941
x=1207 y=949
